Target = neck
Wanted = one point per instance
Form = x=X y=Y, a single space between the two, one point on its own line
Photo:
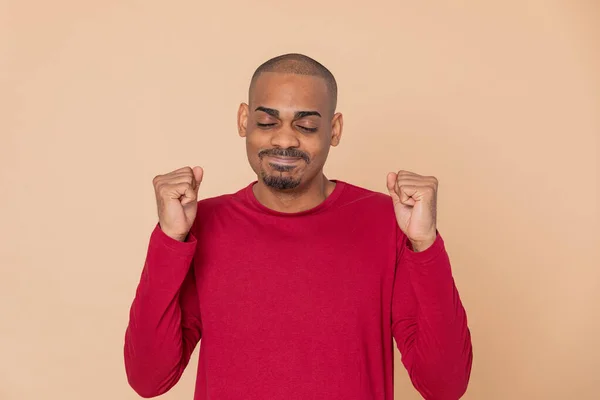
x=302 y=198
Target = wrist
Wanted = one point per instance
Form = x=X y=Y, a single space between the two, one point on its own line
x=174 y=236
x=423 y=244
x=179 y=238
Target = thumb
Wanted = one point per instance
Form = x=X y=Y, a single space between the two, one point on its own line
x=198 y=174
x=391 y=183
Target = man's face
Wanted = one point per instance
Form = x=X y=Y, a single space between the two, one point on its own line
x=289 y=126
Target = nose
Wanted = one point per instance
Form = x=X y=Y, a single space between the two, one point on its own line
x=284 y=138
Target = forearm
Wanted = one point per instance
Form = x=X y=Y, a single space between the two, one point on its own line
x=438 y=351
x=158 y=340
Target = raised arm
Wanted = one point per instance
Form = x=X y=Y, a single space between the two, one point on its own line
x=164 y=323
x=429 y=323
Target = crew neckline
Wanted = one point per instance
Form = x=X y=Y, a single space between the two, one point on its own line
x=325 y=204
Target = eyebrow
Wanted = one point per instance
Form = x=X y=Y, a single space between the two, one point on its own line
x=299 y=114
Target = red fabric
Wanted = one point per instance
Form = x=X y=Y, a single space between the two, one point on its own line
x=297 y=306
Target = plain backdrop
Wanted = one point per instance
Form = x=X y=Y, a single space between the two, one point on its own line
x=500 y=100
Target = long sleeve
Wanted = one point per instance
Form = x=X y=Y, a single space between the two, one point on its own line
x=164 y=323
x=429 y=322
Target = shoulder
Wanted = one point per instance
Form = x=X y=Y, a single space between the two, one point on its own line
x=213 y=208
x=372 y=210
x=211 y=204
x=363 y=197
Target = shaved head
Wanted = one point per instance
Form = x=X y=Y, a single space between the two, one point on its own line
x=298 y=64
x=290 y=123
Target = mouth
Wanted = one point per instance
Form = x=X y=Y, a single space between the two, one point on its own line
x=283 y=160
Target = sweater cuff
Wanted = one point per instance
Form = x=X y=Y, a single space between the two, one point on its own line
x=426 y=256
x=184 y=249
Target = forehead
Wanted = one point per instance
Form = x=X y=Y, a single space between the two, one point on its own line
x=290 y=91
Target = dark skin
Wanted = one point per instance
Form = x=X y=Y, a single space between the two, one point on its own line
x=295 y=112
x=291 y=117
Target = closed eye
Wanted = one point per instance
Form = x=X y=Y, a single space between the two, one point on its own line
x=265 y=125
x=306 y=129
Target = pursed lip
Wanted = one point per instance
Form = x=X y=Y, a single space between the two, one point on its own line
x=283 y=160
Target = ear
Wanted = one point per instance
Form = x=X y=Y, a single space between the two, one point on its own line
x=242 y=119
x=337 y=125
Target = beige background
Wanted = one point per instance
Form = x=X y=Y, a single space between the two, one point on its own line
x=498 y=99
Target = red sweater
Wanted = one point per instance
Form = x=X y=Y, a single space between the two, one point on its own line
x=297 y=306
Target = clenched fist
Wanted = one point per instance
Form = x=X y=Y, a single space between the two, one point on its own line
x=176 y=200
x=415 y=204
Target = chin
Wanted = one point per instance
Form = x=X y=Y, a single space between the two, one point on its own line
x=280 y=182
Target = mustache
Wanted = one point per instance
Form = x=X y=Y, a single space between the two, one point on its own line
x=275 y=152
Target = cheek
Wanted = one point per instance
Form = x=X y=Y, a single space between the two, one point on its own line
x=252 y=149
x=253 y=144
x=257 y=140
x=318 y=151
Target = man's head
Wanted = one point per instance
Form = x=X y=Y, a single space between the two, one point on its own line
x=290 y=121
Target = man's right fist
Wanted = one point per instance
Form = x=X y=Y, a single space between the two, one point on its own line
x=176 y=200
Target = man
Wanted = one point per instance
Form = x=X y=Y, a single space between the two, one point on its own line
x=296 y=285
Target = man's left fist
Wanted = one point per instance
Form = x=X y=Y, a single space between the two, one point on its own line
x=415 y=204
